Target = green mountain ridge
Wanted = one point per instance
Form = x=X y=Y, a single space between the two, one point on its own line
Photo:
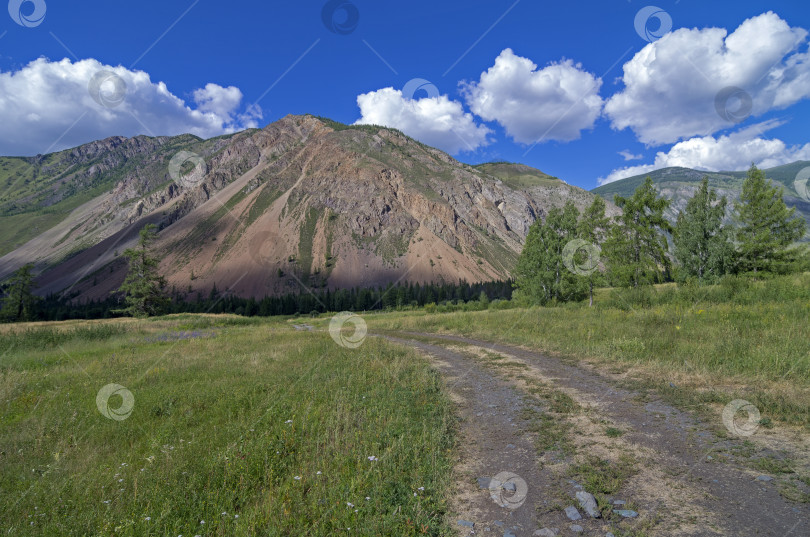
x=679 y=184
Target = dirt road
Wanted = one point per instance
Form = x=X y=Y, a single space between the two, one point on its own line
x=545 y=429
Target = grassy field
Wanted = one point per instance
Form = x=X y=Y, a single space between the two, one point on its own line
x=251 y=426
x=695 y=346
x=239 y=427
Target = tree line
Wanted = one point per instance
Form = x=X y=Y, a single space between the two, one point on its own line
x=144 y=293
x=570 y=253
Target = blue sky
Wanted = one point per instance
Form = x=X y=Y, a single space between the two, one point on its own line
x=230 y=65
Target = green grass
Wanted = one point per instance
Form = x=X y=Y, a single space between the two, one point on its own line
x=306 y=238
x=553 y=434
x=263 y=201
x=736 y=340
x=518 y=176
x=232 y=417
x=771 y=465
x=600 y=476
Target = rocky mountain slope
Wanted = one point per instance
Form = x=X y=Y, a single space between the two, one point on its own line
x=680 y=184
x=303 y=203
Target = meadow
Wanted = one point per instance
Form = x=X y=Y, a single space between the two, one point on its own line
x=244 y=426
x=696 y=346
x=239 y=427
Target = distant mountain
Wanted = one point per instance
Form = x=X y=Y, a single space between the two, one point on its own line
x=303 y=202
x=680 y=184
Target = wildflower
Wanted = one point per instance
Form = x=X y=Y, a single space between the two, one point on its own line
x=297 y=478
x=367 y=498
x=372 y=458
x=350 y=504
x=318 y=472
x=148 y=518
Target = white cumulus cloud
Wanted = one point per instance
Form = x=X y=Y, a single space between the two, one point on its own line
x=556 y=102
x=435 y=121
x=671 y=85
x=630 y=156
x=732 y=152
x=48 y=106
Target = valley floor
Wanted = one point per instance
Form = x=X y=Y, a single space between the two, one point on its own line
x=463 y=423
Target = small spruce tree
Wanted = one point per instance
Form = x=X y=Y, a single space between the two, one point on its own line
x=767 y=228
x=20 y=304
x=144 y=287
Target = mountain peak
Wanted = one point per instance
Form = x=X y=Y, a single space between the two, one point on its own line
x=304 y=203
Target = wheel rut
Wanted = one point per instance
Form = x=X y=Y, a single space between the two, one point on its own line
x=492 y=442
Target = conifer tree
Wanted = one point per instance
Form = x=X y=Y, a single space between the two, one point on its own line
x=593 y=228
x=144 y=287
x=702 y=243
x=767 y=228
x=637 y=247
x=20 y=304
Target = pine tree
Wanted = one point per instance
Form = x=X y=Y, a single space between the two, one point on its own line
x=702 y=243
x=594 y=227
x=20 y=304
x=767 y=227
x=637 y=248
x=540 y=274
x=144 y=287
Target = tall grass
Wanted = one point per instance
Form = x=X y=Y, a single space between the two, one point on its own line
x=259 y=430
x=40 y=338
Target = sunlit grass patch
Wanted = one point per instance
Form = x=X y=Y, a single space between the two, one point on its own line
x=257 y=430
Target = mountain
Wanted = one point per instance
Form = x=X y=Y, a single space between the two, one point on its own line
x=680 y=184
x=305 y=202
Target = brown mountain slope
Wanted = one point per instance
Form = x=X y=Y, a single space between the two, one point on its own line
x=303 y=202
